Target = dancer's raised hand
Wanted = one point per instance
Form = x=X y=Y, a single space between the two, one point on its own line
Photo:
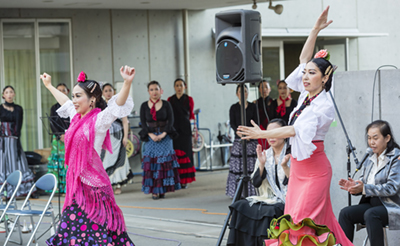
x=46 y=79
x=127 y=73
x=322 y=21
x=249 y=132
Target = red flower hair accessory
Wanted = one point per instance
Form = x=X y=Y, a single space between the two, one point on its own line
x=82 y=77
x=324 y=54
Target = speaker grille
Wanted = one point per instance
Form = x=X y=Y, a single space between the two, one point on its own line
x=239 y=77
x=229 y=59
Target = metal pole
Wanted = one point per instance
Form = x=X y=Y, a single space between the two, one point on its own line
x=185 y=17
x=244 y=142
x=379 y=94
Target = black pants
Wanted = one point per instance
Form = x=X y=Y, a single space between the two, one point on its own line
x=372 y=213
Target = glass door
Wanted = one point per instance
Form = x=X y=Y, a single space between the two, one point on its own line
x=19 y=71
x=55 y=59
x=273 y=68
x=30 y=47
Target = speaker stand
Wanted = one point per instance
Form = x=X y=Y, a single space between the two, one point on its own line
x=243 y=183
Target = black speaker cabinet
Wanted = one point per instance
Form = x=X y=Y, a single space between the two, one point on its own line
x=238 y=46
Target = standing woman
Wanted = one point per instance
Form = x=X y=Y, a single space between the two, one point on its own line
x=159 y=164
x=116 y=163
x=89 y=205
x=284 y=104
x=182 y=106
x=12 y=156
x=264 y=104
x=236 y=163
x=266 y=112
x=308 y=193
x=58 y=126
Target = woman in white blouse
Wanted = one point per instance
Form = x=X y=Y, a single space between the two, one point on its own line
x=89 y=204
x=252 y=216
x=310 y=175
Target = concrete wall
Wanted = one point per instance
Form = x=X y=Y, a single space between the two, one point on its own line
x=103 y=40
x=355 y=108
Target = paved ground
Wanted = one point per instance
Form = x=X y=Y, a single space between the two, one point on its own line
x=193 y=216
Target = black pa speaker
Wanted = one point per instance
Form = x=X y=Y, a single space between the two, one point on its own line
x=238 y=46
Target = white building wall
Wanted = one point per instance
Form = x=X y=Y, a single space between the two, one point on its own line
x=152 y=41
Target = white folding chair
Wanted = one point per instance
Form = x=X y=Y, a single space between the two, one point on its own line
x=14 y=179
x=46 y=182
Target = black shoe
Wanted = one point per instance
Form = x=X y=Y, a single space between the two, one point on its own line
x=161 y=196
x=35 y=196
x=155 y=197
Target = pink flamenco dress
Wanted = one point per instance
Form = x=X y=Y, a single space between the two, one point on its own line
x=90 y=215
x=309 y=218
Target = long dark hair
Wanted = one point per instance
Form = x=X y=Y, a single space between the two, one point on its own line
x=385 y=130
x=92 y=89
x=179 y=79
x=279 y=121
x=153 y=82
x=8 y=86
x=238 y=86
x=107 y=84
x=323 y=65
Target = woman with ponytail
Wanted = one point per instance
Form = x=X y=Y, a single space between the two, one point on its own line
x=12 y=156
x=284 y=104
x=116 y=163
x=89 y=204
x=308 y=208
x=159 y=163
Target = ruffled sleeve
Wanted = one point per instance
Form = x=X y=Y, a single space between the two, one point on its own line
x=294 y=80
x=113 y=111
x=67 y=110
x=302 y=146
x=312 y=124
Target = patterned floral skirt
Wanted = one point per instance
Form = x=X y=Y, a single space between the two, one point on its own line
x=56 y=163
x=236 y=166
x=160 y=167
x=76 y=229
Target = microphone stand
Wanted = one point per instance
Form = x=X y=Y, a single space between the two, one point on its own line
x=349 y=148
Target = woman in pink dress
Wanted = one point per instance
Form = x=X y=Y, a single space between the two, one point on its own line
x=309 y=218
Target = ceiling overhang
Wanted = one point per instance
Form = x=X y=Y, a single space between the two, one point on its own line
x=126 y=4
x=327 y=33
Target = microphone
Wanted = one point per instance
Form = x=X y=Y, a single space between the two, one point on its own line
x=368 y=153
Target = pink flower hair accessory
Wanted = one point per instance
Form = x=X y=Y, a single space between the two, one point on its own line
x=324 y=54
x=82 y=77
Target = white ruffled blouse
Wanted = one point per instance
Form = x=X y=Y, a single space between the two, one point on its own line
x=314 y=122
x=104 y=119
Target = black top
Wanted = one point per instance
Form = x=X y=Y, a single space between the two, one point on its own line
x=182 y=113
x=58 y=125
x=15 y=118
x=235 y=117
x=163 y=114
x=267 y=102
x=289 y=109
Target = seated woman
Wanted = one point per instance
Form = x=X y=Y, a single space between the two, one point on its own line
x=379 y=185
x=251 y=217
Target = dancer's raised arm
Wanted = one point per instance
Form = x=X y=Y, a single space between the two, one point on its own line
x=255 y=132
x=127 y=73
x=308 y=48
x=58 y=95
